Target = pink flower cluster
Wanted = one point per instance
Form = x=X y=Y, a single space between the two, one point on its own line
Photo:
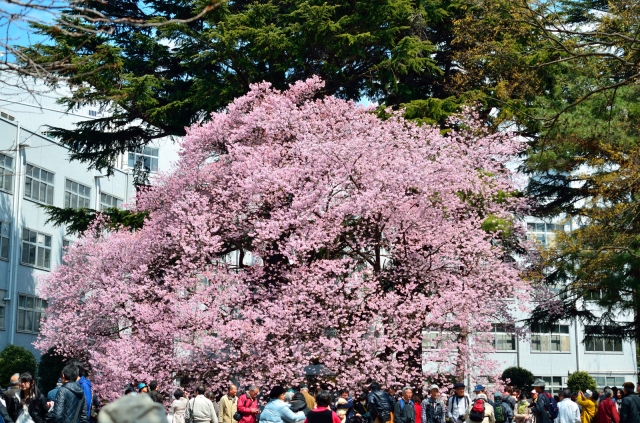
x=355 y=235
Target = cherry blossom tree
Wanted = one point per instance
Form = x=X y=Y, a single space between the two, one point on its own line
x=298 y=231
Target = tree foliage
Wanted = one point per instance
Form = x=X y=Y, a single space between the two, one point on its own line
x=351 y=234
x=154 y=82
x=15 y=359
x=518 y=377
x=581 y=381
x=49 y=370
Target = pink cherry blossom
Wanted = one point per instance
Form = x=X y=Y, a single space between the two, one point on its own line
x=357 y=234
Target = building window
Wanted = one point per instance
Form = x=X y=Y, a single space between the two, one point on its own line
x=93 y=113
x=65 y=246
x=36 y=249
x=602 y=381
x=504 y=339
x=109 y=201
x=600 y=341
x=553 y=384
x=30 y=312
x=76 y=196
x=6 y=172
x=4 y=240
x=38 y=185
x=435 y=340
x=7 y=116
x=553 y=338
x=2 y=308
x=148 y=156
x=544 y=233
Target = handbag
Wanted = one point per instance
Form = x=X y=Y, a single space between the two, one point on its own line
x=189 y=414
x=237 y=416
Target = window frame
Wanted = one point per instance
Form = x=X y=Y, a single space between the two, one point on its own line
x=8 y=239
x=7 y=173
x=504 y=333
x=40 y=181
x=37 y=245
x=119 y=201
x=140 y=153
x=34 y=311
x=603 y=339
x=77 y=194
x=549 y=332
x=551 y=385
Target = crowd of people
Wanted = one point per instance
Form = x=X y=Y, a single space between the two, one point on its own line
x=72 y=401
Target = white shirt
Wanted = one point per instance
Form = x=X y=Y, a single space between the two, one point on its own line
x=201 y=409
x=457 y=407
x=568 y=412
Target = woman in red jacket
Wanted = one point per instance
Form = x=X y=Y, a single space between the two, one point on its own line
x=417 y=404
x=607 y=410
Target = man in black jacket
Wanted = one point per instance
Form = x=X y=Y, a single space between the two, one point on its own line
x=70 y=405
x=630 y=405
x=380 y=404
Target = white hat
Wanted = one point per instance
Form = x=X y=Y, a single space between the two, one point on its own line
x=432 y=387
x=588 y=392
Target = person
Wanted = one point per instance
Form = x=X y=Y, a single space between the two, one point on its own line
x=29 y=400
x=541 y=408
x=83 y=382
x=509 y=398
x=311 y=401
x=607 y=410
x=51 y=396
x=481 y=401
x=298 y=403
x=143 y=388
x=458 y=404
x=380 y=404
x=361 y=409
x=618 y=396
x=501 y=409
x=229 y=405
x=153 y=393
x=344 y=406
x=70 y=405
x=12 y=394
x=404 y=411
x=178 y=406
x=278 y=411
x=417 y=404
x=480 y=389
x=200 y=408
x=322 y=413
x=630 y=407
x=522 y=413
x=248 y=405
x=133 y=408
x=589 y=404
x=433 y=409
x=568 y=411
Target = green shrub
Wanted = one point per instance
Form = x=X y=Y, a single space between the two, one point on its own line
x=581 y=381
x=518 y=377
x=15 y=359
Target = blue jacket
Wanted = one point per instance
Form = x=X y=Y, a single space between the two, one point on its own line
x=348 y=406
x=278 y=411
x=51 y=396
x=86 y=387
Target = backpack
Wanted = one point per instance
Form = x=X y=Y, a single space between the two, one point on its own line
x=477 y=411
x=552 y=409
x=522 y=407
x=499 y=412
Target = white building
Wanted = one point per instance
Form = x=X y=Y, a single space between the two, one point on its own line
x=35 y=170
